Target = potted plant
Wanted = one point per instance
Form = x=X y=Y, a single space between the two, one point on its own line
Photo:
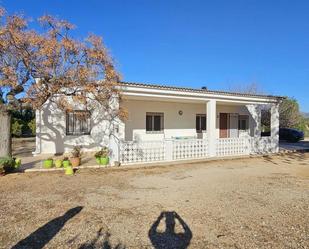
x=48 y=163
x=66 y=162
x=76 y=153
x=69 y=171
x=58 y=163
x=102 y=156
x=17 y=163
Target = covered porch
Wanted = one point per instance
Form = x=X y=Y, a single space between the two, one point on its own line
x=166 y=128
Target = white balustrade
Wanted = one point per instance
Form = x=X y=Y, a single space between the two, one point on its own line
x=232 y=146
x=141 y=151
x=190 y=149
x=174 y=149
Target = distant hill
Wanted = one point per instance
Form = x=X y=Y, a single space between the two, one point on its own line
x=305 y=114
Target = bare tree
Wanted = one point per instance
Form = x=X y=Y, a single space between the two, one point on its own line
x=290 y=116
x=252 y=88
x=49 y=64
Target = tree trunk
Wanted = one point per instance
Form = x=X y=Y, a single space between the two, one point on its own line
x=5 y=134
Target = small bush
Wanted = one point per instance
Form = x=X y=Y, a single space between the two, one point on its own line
x=104 y=152
x=7 y=164
x=31 y=125
x=17 y=127
x=76 y=152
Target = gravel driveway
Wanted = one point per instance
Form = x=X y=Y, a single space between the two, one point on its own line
x=245 y=203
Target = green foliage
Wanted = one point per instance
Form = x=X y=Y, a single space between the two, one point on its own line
x=76 y=152
x=32 y=126
x=104 y=152
x=290 y=116
x=23 y=122
x=7 y=164
x=17 y=126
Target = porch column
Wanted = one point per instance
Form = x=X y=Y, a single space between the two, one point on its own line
x=255 y=120
x=115 y=133
x=211 y=107
x=274 y=125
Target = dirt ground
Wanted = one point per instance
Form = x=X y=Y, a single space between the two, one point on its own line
x=246 y=203
x=23 y=147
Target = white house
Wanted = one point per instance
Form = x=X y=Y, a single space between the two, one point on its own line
x=164 y=124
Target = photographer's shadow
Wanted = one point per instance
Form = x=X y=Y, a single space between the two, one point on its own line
x=170 y=238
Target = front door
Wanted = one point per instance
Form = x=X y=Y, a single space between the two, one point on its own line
x=224 y=132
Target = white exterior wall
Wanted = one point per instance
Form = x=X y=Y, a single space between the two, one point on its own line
x=51 y=131
x=175 y=125
x=51 y=125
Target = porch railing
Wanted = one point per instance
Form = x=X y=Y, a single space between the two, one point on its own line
x=146 y=151
x=168 y=150
x=190 y=148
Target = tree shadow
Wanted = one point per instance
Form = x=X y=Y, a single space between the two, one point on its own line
x=101 y=241
x=39 y=238
x=51 y=132
x=169 y=238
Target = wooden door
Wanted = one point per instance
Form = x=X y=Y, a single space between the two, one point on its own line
x=224 y=132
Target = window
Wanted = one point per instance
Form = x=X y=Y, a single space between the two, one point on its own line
x=200 y=122
x=154 y=122
x=78 y=123
x=243 y=122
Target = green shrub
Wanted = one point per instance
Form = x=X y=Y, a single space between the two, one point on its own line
x=31 y=125
x=7 y=164
x=17 y=127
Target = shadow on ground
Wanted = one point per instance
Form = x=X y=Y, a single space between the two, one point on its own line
x=39 y=238
x=289 y=158
x=169 y=237
x=101 y=241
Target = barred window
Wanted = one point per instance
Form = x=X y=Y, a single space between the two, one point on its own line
x=78 y=123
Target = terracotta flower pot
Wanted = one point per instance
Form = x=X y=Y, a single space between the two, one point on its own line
x=75 y=161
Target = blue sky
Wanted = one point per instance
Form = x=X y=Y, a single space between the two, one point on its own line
x=219 y=44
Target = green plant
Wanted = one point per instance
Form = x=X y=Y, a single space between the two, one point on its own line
x=17 y=163
x=32 y=126
x=76 y=152
x=7 y=164
x=17 y=127
x=104 y=152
